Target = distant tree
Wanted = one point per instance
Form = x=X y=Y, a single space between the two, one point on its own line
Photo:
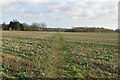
x=42 y=26
x=11 y=25
x=22 y=28
x=34 y=27
x=14 y=25
x=117 y=30
x=5 y=27
x=25 y=25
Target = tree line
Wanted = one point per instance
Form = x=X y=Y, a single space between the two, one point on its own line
x=89 y=29
x=17 y=26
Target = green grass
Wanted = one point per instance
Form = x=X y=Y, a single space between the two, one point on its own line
x=60 y=55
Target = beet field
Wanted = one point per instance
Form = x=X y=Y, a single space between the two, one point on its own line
x=29 y=55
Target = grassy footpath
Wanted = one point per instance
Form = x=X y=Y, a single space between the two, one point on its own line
x=59 y=61
x=55 y=57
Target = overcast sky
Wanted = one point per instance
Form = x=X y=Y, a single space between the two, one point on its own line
x=64 y=13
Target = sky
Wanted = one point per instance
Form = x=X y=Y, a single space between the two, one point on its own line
x=62 y=13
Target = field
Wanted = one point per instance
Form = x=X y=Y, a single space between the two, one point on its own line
x=59 y=55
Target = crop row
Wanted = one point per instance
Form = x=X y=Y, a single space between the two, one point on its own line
x=94 y=60
x=31 y=56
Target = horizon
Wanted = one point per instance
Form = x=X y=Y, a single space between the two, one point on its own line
x=63 y=14
x=69 y=27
